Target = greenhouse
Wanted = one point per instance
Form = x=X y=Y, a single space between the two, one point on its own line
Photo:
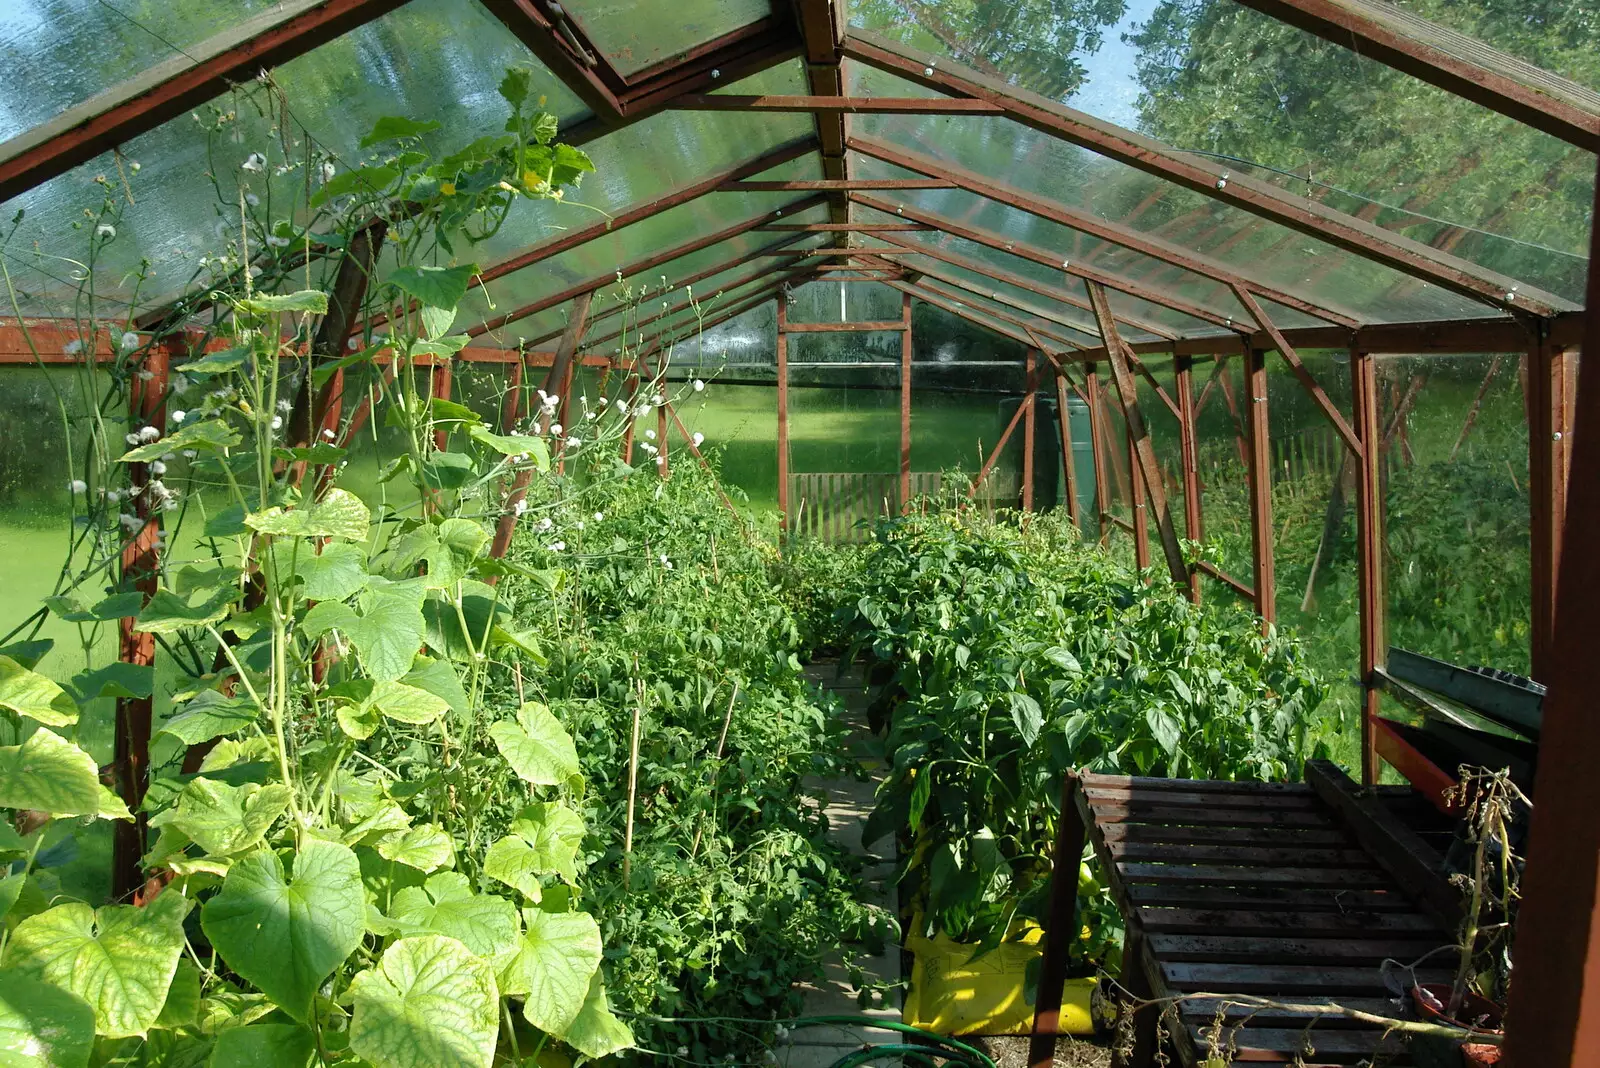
x=798 y=532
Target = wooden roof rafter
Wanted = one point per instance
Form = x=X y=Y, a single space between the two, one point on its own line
x=1026 y=251
x=993 y=273
x=643 y=264
x=1146 y=244
x=169 y=89
x=1452 y=61
x=683 y=283
x=1200 y=175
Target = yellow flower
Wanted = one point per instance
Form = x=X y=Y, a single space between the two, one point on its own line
x=530 y=179
x=447 y=188
x=1084 y=935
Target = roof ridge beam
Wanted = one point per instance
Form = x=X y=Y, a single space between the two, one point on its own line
x=1460 y=65
x=168 y=89
x=1194 y=173
x=1146 y=244
x=821 y=26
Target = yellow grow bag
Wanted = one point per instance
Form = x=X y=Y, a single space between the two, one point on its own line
x=952 y=994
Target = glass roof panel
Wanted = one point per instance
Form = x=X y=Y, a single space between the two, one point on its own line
x=1140 y=310
x=598 y=259
x=979 y=213
x=334 y=93
x=59 y=53
x=1227 y=82
x=652 y=158
x=635 y=34
x=1047 y=166
x=1556 y=35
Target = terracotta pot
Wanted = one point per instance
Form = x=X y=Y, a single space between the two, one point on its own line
x=1481 y=1014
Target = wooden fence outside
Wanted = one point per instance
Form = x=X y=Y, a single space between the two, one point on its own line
x=840 y=508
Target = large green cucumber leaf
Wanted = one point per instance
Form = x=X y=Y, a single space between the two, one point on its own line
x=223 y=819
x=42 y=1026
x=596 y=1032
x=429 y=1003
x=286 y=935
x=537 y=746
x=558 y=954
x=264 y=1046
x=544 y=840
x=119 y=959
x=484 y=923
x=340 y=514
x=427 y=847
x=49 y=774
x=28 y=693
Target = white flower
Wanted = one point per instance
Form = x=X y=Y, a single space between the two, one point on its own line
x=149 y=433
x=252 y=200
x=112 y=496
x=277 y=422
x=133 y=165
x=328 y=434
x=558 y=546
x=158 y=468
x=664 y=559
x=599 y=517
x=699 y=385
x=129 y=521
x=647 y=447
x=178 y=416
x=170 y=503
x=574 y=442
x=555 y=428
x=661 y=461
x=256 y=162
x=73 y=347
x=131 y=439
x=77 y=485
x=658 y=400
x=603 y=402
x=105 y=231
x=544 y=524
x=590 y=416
x=328 y=171
x=698 y=438
x=130 y=341
x=520 y=507
x=274 y=241
x=580 y=524
x=189 y=454
x=651 y=434
x=285 y=405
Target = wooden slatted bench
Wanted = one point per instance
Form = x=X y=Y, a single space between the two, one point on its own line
x=1294 y=892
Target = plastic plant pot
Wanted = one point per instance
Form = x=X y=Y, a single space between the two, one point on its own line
x=1477 y=1013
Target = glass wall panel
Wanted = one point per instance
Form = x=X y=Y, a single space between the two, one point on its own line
x=1456 y=468
x=1225 y=496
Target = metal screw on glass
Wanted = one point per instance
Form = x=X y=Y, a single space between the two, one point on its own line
x=927 y=72
x=1511 y=296
x=1222 y=183
x=716 y=74
x=1556 y=436
x=1065 y=264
